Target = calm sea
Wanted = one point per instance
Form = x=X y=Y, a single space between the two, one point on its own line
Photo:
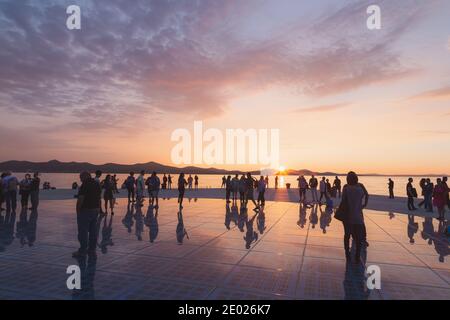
x=375 y=185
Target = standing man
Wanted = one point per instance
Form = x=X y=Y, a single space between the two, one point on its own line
x=88 y=209
x=313 y=183
x=250 y=184
x=337 y=185
x=129 y=184
x=276 y=182
x=196 y=182
x=169 y=181
x=10 y=184
x=411 y=193
x=154 y=186
x=34 y=192
x=445 y=184
x=261 y=190
x=391 y=188
x=323 y=190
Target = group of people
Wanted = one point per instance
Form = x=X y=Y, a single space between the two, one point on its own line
x=27 y=188
x=327 y=191
x=245 y=187
x=436 y=195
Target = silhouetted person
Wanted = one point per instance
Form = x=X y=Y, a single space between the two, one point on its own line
x=250 y=183
x=447 y=188
x=108 y=193
x=169 y=181
x=196 y=182
x=323 y=190
x=24 y=190
x=354 y=200
x=313 y=183
x=235 y=187
x=440 y=198
x=428 y=195
x=411 y=194
x=224 y=182
x=391 y=188
x=10 y=184
x=261 y=191
x=88 y=209
x=154 y=185
x=181 y=189
x=228 y=189
x=129 y=184
x=140 y=188
x=276 y=182
x=302 y=186
x=337 y=186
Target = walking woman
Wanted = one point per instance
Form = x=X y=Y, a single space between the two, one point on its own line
x=354 y=200
x=108 y=196
x=440 y=198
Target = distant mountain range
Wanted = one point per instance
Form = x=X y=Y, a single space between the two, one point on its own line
x=55 y=166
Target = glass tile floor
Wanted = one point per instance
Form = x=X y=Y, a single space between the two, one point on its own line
x=288 y=252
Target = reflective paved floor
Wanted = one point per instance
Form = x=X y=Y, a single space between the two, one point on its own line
x=294 y=253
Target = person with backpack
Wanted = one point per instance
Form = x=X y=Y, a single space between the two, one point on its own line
x=153 y=187
x=24 y=190
x=313 y=183
x=350 y=212
x=411 y=193
x=10 y=184
x=129 y=184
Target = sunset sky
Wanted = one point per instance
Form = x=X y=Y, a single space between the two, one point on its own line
x=344 y=97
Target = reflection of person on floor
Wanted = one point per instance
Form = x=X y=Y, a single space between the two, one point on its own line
x=139 y=222
x=302 y=216
x=427 y=229
x=106 y=235
x=355 y=286
x=87 y=268
x=10 y=220
x=127 y=221
x=31 y=227
x=440 y=242
x=181 y=230
x=243 y=218
x=313 y=218
x=234 y=213
x=413 y=227
x=227 y=216
x=251 y=235
x=325 y=218
x=21 y=227
x=261 y=221
x=151 y=221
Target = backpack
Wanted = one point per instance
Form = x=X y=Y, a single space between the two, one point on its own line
x=12 y=184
